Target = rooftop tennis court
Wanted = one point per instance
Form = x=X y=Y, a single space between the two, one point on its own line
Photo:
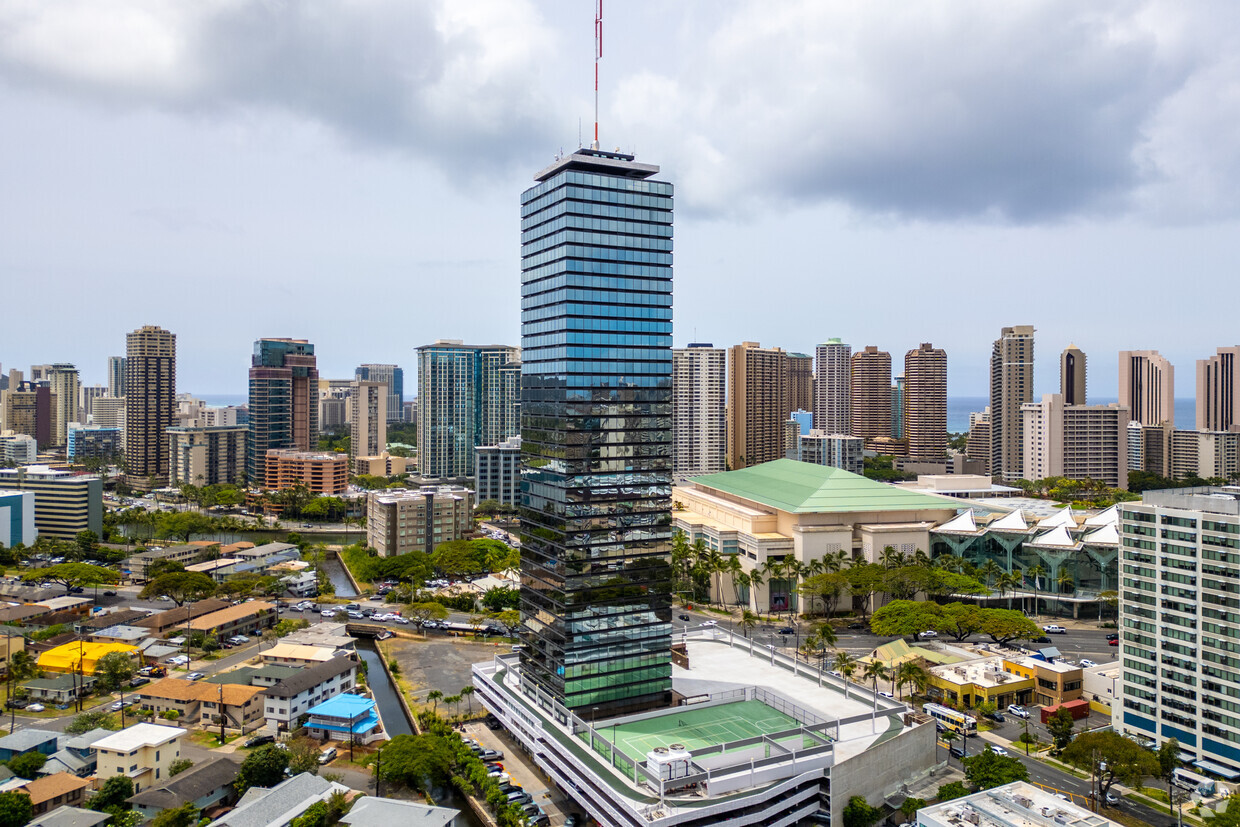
x=698 y=727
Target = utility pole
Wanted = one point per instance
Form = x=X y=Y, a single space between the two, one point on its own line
x=222 y=716
x=379 y=772
x=1026 y=737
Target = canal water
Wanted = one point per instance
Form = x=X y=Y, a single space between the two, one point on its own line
x=393 y=714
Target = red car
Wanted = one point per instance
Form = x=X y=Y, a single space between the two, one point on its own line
x=1114 y=642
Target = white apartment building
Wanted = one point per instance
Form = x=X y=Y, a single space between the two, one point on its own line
x=498 y=474
x=141 y=753
x=1180 y=623
x=699 y=410
x=1075 y=441
x=832 y=387
x=285 y=701
x=400 y=520
x=833 y=450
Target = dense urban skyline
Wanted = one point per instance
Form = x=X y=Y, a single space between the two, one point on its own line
x=193 y=164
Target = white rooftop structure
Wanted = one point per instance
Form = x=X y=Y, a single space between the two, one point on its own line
x=139 y=735
x=962 y=522
x=1014 y=521
x=1108 y=535
x=1057 y=536
x=984 y=672
x=1108 y=517
x=1018 y=804
x=1063 y=518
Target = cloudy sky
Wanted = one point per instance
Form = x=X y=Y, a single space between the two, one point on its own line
x=348 y=171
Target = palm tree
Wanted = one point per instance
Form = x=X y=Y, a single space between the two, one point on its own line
x=743 y=580
x=875 y=671
x=1035 y=571
x=1065 y=582
x=810 y=646
x=732 y=568
x=920 y=558
x=755 y=583
x=433 y=696
x=847 y=666
x=22 y=666
x=1006 y=584
x=990 y=570
x=826 y=633
x=911 y=673
x=467 y=692
x=748 y=621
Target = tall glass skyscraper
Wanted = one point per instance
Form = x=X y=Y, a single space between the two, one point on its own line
x=284 y=402
x=596 y=429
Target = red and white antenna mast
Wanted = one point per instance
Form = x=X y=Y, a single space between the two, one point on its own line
x=598 y=53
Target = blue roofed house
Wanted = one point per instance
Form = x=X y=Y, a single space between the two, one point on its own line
x=345 y=718
x=76 y=754
x=27 y=740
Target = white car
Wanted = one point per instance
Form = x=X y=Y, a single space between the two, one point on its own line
x=179 y=660
x=996 y=749
x=401 y=620
x=328 y=613
x=1018 y=711
x=1086 y=663
x=710 y=622
x=35 y=708
x=926 y=635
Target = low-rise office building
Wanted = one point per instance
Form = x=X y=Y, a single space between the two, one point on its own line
x=402 y=520
x=320 y=472
x=65 y=503
x=980 y=681
x=207 y=455
x=17 y=523
x=142 y=753
x=1054 y=682
x=1019 y=804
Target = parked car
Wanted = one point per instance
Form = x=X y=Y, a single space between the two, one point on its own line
x=35 y=708
x=682 y=617
x=327 y=756
x=17 y=703
x=1112 y=800
x=178 y=660
x=926 y=635
x=491 y=755
x=956 y=752
x=139 y=681
x=1018 y=711
x=996 y=716
x=195 y=676
x=109 y=593
x=259 y=740
x=328 y=613
x=1086 y=663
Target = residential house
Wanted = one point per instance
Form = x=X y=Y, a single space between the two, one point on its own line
x=293 y=654
x=79 y=606
x=334 y=635
x=278 y=806
x=267 y=675
x=346 y=717
x=242 y=619
x=138 y=565
x=60 y=689
x=205 y=785
x=27 y=740
x=369 y=811
x=142 y=752
x=171 y=620
x=76 y=755
x=51 y=791
x=301 y=584
x=70 y=817
x=201 y=702
x=293 y=696
x=22 y=614
x=129 y=635
x=122 y=617
x=217 y=570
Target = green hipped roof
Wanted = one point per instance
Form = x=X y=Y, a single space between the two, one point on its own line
x=807 y=488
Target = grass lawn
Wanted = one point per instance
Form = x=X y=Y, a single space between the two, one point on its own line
x=208 y=739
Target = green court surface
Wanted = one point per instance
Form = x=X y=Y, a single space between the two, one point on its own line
x=698 y=727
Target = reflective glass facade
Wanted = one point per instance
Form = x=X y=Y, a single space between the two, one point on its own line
x=596 y=428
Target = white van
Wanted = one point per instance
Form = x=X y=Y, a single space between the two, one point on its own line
x=1054 y=630
x=327 y=756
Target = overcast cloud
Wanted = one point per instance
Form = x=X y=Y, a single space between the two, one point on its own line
x=264 y=156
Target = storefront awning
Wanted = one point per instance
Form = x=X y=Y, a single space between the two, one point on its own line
x=1217 y=769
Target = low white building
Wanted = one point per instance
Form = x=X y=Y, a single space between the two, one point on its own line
x=289 y=698
x=1018 y=804
x=1100 y=683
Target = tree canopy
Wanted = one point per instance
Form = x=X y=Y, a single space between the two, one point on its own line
x=420 y=762
x=184 y=524
x=27 y=765
x=990 y=769
x=73 y=575
x=1120 y=759
x=959 y=621
x=264 y=767
x=181 y=586
x=114 y=669
x=16 y=810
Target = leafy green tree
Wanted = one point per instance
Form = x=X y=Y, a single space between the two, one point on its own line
x=264 y=767
x=15 y=809
x=989 y=769
x=859 y=813
x=73 y=575
x=1169 y=762
x=906 y=618
x=181 y=587
x=952 y=789
x=114 y=669
x=87 y=541
x=1005 y=625
x=184 y=816
x=1061 y=726
x=910 y=806
x=27 y=765
x=95 y=719
x=163 y=566
x=498 y=599
x=316 y=815
x=420 y=762
x=114 y=795
x=303 y=755
x=179 y=766
x=184 y=524
x=1119 y=759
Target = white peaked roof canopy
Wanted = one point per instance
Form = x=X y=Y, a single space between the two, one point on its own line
x=1108 y=534
x=961 y=522
x=1108 y=517
x=1057 y=536
x=1061 y=518
x=1014 y=521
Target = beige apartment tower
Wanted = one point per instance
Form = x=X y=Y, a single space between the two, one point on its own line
x=800 y=382
x=869 y=395
x=1218 y=403
x=832 y=383
x=1075 y=441
x=150 y=403
x=1072 y=375
x=1147 y=386
x=1011 y=385
x=368 y=419
x=67 y=387
x=757 y=404
x=925 y=402
x=699 y=410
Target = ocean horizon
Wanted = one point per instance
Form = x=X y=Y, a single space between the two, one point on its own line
x=958 y=408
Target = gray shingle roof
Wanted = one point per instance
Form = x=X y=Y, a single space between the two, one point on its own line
x=27 y=739
x=70 y=817
x=82 y=742
x=280 y=804
x=190 y=785
x=368 y=811
x=307 y=678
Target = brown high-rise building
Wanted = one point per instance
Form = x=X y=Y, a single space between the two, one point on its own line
x=925 y=402
x=1218 y=399
x=757 y=404
x=30 y=409
x=1147 y=386
x=1072 y=375
x=800 y=382
x=1011 y=385
x=150 y=403
x=870 y=394
x=284 y=401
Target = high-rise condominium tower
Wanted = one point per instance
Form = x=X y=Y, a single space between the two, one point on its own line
x=897 y=408
x=870 y=394
x=468 y=396
x=1218 y=396
x=757 y=404
x=800 y=382
x=392 y=376
x=1147 y=386
x=150 y=403
x=699 y=415
x=284 y=402
x=832 y=413
x=596 y=433
x=116 y=376
x=1011 y=385
x=1072 y=375
x=368 y=419
x=925 y=401
x=67 y=387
